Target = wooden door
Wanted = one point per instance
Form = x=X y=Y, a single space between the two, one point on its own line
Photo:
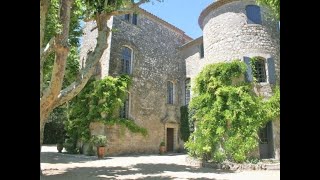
x=169 y=139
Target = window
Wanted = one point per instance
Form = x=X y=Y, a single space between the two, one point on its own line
x=124 y=110
x=127 y=17
x=253 y=14
x=135 y=19
x=187 y=90
x=201 y=51
x=260 y=70
x=170 y=92
x=257 y=69
x=126 y=60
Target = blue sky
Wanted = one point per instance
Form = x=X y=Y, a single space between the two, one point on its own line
x=183 y=14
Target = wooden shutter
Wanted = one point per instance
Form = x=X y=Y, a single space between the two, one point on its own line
x=271 y=71
x=249 y=77
x=253 y=14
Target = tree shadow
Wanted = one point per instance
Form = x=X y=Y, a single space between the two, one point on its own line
x=142 y=170
x=64 y=158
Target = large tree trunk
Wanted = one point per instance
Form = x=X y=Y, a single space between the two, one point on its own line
x=53 y=96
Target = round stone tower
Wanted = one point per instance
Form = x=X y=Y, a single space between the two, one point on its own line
x=234 y=29
x=240 y=29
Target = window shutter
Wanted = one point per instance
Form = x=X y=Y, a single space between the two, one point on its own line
x=271 y=71
x=253 y=14
x=249 y=77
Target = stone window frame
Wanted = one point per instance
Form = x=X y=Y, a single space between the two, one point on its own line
x=131 y=60
x=270 y=75
x=172 y=92
x=249 y=17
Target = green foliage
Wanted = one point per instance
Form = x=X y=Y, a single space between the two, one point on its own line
x=99 y=101
x=129 y=124
x=228 y=114
x=274 y=5
x=184 y=126
x=162 y=143
x=99 y=140
x=52 y=28
x=54 y=130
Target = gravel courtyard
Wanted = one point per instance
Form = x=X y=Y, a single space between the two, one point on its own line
x=171 y=166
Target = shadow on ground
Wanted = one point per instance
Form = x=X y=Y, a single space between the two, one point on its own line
x=64 y=158
x=138 y=171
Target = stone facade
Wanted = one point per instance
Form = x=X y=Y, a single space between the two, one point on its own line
x=162 y=53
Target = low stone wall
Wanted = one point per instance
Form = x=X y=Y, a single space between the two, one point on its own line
x=270 y=165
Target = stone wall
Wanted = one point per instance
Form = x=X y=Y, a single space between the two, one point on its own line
x=156 y=61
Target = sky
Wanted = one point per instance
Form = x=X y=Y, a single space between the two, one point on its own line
x=183 y=14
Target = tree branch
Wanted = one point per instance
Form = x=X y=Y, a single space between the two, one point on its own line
x=93 y=58
x=44 y=52
x=61 y=48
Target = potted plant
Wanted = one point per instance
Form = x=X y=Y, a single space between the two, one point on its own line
x=162 y=148
x=100 y=142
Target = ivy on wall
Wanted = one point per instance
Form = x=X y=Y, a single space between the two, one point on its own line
x=184 y=126
x=99 y=101
x=228 y=113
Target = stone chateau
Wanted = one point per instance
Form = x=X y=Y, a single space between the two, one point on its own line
x=163 y=61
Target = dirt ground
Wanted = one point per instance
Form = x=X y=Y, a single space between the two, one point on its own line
x=170 y=166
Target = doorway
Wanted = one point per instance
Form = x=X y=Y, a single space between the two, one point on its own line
x=266 y=142
x=170 y=139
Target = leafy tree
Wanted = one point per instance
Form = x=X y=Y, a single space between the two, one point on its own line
x=274 y=5
x=59 y=35
x=228 y=113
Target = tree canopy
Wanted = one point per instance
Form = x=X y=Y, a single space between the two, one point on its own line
x=274 y=5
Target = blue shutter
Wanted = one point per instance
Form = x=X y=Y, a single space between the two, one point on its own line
x=271 y=71
x=249 y=77
x=253 y=14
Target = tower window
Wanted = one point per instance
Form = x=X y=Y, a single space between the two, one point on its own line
x=170 y=92
x=253 y=14
x=260 y=70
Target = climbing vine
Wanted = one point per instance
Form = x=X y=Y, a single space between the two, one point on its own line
x=184 y=126
x=99 y=101
x=228 y=113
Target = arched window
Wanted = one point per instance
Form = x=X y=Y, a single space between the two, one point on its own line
x=126 y=60
x=187 y=90
x=253 y=14
x=260 y=70
x=170 y=92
